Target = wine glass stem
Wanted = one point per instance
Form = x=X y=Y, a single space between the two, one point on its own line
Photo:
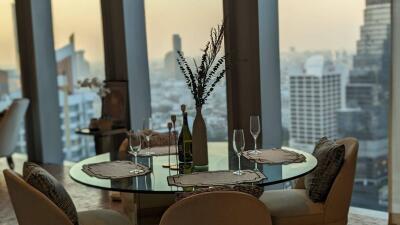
x=149 y=161
x=255 y=143
x=239 y=164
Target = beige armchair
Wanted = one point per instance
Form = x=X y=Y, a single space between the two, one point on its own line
x=293 y=206
x=34 y=208
x=217 y=208
x=9 y=128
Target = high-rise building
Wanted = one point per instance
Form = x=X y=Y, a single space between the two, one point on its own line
x=367 y=79
x=176 y=42
x=71 y=64
x=76 y=106
x=4 y=86
x=10 y=84
x=171 y=66
x=367 y=91
x=314 y=100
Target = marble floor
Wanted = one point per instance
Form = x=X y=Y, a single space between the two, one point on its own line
x=86 y=198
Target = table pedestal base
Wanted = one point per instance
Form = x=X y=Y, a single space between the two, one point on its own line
x=146 y=209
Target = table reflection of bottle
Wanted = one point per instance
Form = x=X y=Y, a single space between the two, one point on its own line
x=186 y=168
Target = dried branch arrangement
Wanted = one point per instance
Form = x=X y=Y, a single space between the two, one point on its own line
x=205 y=75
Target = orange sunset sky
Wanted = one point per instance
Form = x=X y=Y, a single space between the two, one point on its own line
x=304 y=24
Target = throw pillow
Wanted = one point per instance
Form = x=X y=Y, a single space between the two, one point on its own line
x=44 y=182
x=330 y=156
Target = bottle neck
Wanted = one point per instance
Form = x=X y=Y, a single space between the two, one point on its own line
x=185 y=120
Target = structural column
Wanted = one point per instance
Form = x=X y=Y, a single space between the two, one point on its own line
x=253 y=78
x=394 y=121
x=39 y=80
x=270 y=75
x=126 y=57
x=243 y=62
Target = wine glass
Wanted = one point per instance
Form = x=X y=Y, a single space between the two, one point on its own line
x=238 y=146
x=148 y=132
x=255 y=131
x=135 y=145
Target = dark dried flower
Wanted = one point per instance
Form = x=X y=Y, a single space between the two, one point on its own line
x=204 y=77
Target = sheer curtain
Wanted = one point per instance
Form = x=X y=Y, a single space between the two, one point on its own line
x=394 y=138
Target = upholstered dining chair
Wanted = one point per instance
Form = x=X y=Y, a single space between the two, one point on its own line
x=9 y=128
x=34 y=208
x=217 y=208
x=293 y=206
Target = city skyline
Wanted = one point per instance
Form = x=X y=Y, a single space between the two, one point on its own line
x=166 y=18
x=327 y=87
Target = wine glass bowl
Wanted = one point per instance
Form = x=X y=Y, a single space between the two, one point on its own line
x=134 y=147
x=255 y=131
x=148 y=132
x=238 y=147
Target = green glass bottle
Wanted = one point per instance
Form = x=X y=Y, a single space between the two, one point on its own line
x=185 y=142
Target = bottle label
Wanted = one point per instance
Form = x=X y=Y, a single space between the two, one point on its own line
x=187 y=148
x=181 y=152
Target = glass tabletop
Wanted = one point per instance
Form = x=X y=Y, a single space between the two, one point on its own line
x=156 y=181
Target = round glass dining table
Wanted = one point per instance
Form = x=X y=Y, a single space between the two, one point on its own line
x=156 y=181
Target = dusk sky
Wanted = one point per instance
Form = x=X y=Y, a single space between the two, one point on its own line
x=304 y=24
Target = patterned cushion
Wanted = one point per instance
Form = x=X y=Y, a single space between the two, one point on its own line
x=330 y=158
x=256 y=191
x=49 y=186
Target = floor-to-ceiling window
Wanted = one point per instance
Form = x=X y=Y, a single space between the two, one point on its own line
x=10 y=85
x=335 y=60
x=182 y=25
x=78 y=41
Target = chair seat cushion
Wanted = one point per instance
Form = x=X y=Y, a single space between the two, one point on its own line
x=102 y=217
x=289 y=207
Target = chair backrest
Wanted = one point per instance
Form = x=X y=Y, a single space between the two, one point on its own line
x=124 y=146
x=30 y=205
x=338 y=201
x=10 y=124
x=217 y=208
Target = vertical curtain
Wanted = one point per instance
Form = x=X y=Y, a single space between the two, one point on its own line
x=394 y=130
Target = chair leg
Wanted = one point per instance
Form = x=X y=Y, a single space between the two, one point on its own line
x=10 y=162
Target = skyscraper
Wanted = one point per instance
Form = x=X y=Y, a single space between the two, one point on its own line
x=76 y=106
x=314 y=99
x=170 y=63
x=367 y=102
x=176 y=42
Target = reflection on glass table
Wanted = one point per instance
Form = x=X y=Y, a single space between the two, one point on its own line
x=156 y=181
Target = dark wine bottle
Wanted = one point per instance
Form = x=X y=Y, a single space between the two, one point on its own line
x=185 y=142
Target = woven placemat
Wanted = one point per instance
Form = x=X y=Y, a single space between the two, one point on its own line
x=214 y=178
x=275 y=156
x=115 y=169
